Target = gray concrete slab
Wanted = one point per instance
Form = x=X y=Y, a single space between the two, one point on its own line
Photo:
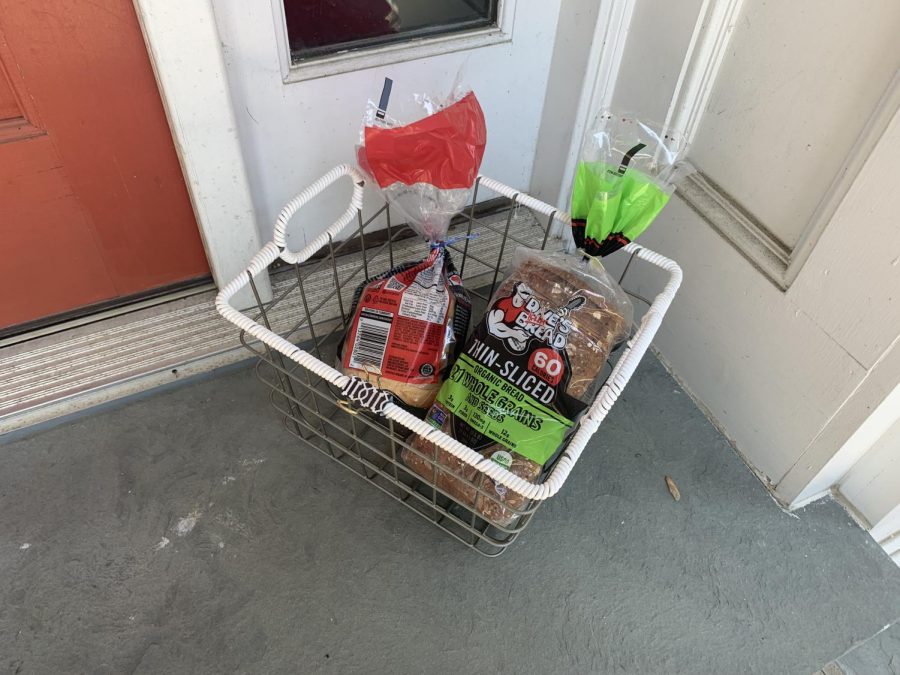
x=188 y=532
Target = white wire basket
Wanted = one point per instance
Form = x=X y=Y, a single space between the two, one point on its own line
x=295 y=336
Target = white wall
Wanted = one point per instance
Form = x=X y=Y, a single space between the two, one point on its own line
x=776 y=369
x=292 y=133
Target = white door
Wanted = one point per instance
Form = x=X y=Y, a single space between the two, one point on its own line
x=787 y=324
x=300 y=82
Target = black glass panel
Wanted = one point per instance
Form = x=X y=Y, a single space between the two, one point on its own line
x=320 y=27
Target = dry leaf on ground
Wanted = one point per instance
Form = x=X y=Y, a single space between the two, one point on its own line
x=676 y=493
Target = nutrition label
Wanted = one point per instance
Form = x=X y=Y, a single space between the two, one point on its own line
x=426 y=304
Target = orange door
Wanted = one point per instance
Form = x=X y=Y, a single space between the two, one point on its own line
x=93 y=205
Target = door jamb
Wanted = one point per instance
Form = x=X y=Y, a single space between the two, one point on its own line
x=184 y=48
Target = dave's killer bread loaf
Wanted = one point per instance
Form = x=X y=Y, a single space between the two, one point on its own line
x=404 y=325
x=531 y=367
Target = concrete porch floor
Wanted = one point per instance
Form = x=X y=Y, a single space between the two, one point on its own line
x=188 y=532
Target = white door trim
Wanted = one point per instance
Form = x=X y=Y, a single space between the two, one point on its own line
x=183 y=44
x=706 y=51
x=829 y=455
x=604 y=63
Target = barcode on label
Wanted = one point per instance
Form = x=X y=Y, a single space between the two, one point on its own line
x=372 y=333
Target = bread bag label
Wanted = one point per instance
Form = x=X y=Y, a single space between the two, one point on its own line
x=508 y=386
x=400 y=323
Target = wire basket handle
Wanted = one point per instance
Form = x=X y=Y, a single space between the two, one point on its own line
x=301 y=199
x=525 y=200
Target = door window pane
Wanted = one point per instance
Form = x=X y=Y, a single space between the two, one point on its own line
x=320 y=27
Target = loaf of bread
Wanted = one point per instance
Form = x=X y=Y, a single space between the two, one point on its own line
x=598 y=326
x=461 y=482
x=414 y=390
x=533 y=364
x=406 y=325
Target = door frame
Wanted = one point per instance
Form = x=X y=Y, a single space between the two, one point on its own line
x=184 y=49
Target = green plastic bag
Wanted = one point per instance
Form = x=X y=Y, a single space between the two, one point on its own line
x=625 y=176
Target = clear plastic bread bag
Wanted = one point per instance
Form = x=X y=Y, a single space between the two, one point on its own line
x=533 y=364
x=423 y=152
x=407 y=323
x=627 y=171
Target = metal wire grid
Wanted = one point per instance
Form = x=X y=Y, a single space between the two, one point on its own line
x=320 y=292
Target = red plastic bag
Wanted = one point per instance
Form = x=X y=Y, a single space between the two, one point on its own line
x=444 y=149
x=426 y=169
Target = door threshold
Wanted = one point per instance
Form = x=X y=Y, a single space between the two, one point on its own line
x=102 y=311
x=61 y=369
x=34 y=420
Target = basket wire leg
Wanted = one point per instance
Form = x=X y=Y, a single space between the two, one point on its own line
x=394 y=458
x=435 y=511
x=337 y=281
x=309 y=321
x=462 y=265
x=627 y=265
x=355 y=447
x=311 y=420
x=314 y=420
x=362 y=244
x=286 y=386
x=547 y=230
x=472 y=514
x=512 y=207
x=402 y=489
x=318 y=426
